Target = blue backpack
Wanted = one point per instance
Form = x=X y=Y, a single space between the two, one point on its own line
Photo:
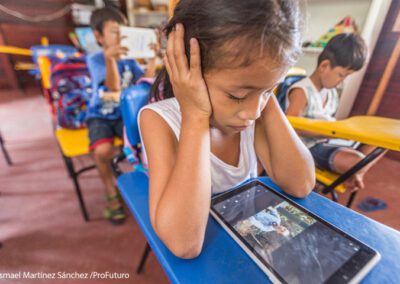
x=132 y=100
x=71 y=89
x=283 y=88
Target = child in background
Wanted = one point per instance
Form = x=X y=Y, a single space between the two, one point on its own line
x=219 y=117
x=316 y=97
x=110 y=74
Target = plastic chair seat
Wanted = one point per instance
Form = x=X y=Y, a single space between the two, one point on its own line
x=328 y=178
x=75 y=142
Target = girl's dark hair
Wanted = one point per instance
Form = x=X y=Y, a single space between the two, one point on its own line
x=345 y=50
x=100 y=16
x=234 y=33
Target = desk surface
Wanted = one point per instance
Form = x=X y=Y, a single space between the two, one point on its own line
x=377 y=131
x=223 y=261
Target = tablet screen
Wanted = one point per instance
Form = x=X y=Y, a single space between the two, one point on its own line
x=297 y=246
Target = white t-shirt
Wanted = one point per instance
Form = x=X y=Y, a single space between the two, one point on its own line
x=223 y=176
x=316 y=108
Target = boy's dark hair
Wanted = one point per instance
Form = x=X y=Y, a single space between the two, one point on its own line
x=100 y=16
x=236 y=33
x=345 y=50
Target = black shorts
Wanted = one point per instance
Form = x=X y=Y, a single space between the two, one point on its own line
x=103 y=131
x=323 y=154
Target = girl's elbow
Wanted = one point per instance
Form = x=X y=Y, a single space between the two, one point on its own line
x=187 y=251
x=183 y=248
x=179 y=246
x=304 y=187
x=302 y=190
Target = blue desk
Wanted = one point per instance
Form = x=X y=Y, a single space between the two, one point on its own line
x=223 y=261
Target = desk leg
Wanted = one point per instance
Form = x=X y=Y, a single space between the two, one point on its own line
x=368 y=159
x=145 y=254
x=74 y=176
x=3 y=148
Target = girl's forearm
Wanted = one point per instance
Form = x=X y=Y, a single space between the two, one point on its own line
x=292 y=163
x=112 y=81
x=182 y=212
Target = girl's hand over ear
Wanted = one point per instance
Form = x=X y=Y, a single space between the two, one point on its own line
x=187 y=80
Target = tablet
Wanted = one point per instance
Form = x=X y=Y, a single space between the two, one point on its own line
x=289 y=243
x=138 y=41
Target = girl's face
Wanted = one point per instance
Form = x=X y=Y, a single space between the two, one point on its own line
x=239 y=95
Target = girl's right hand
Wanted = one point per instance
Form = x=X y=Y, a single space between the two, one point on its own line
x=187 y=81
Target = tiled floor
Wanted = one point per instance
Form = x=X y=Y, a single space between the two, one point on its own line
x=41 y=227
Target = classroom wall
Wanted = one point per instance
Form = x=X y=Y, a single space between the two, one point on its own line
x=24 y=34
x=390 y=104
x=7 y=77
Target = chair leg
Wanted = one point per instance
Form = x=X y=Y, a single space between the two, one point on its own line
x=74 y=176
x=368 y=159
x=351 y=199
x=145 y=254
x=334 y=196
x=3 y=148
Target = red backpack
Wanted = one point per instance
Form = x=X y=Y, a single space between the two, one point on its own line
x=71 y=89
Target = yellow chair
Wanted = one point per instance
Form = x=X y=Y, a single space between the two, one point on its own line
x=75 y=143
x=326 y=178
x=381 y=132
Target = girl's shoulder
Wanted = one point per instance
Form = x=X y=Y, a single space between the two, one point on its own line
x=170 y=104
x=169 y=111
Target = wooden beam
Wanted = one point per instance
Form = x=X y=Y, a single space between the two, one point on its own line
x=10 y=79
x=383 y=83
x=171 y=7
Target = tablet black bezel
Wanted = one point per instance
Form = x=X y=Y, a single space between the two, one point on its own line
x=349 y=269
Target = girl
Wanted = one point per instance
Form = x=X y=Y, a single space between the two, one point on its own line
x=218 y=116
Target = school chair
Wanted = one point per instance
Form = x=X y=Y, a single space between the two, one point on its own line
x=132 y=100
x=381 y=132
x=74 y=143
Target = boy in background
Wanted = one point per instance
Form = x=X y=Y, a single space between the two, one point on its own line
x=110 y=74
x=316 y=97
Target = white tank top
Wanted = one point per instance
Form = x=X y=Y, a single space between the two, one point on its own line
x=223 y=175
x=316 y=108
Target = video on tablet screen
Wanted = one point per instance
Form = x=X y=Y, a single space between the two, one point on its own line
x=298 y=247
